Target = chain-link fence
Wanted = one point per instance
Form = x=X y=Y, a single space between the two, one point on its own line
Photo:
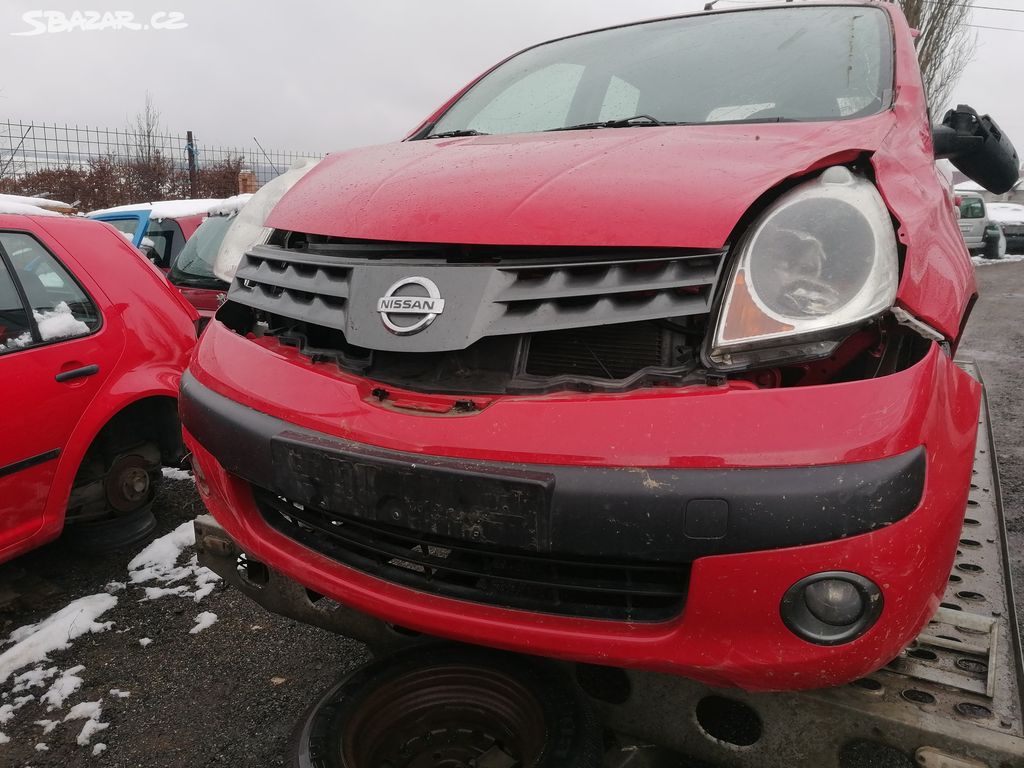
x=98 y=167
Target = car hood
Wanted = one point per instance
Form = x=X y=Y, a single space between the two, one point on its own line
x=642 y=186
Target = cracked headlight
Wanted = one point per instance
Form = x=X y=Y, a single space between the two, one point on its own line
x=819 y=261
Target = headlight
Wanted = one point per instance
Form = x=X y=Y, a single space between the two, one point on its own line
x=820 y=260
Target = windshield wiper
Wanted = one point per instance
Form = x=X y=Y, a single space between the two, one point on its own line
x=636 y=121
x=456 y=134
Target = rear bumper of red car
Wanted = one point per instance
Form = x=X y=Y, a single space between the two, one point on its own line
x=866 y=477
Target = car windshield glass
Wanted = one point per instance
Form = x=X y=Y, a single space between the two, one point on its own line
x=765 y=65
x=194 y=264
x=972 y=208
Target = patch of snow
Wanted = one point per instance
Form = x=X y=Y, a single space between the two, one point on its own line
x=152 y=593
x=59 y=323
x=47 y=725
x=38 y=202
x=144 y=641
x=981 y=261
x=40 y=747
x=85 y=710
x=98 y=747
x=32 y=644
x=90 y=729
x=159 y=562
x=166 y=209
x=113 y=587
x=56 y=323
x=89 y=711
x=61 y=688
x=204 y=620
x=24 y=210
x=230 y=205
x=173 y=473
x=969 y=186
x=33 y=678
x=119 y=693
x=1006 y=213
x=7 y=710
x=4 y=738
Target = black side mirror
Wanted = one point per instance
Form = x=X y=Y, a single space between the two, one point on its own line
x=978 y=148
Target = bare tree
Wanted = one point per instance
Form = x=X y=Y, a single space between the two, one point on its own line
x=147 y=128
x=945 y=47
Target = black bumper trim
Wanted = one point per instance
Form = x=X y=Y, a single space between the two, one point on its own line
x=639 y=514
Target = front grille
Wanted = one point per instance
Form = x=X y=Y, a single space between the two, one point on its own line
x=611 y=352
x=620 y=591
x=516 y=320
x=503 y=291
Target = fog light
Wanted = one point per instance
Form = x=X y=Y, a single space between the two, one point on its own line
x=834 y=602
x=831 y=608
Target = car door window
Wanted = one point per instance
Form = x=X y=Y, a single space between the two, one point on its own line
x=14 y=323
x=60 y=307
x=167 y=239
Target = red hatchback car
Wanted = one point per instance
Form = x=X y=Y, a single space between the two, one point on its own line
x=93 y=342
x=638 y=352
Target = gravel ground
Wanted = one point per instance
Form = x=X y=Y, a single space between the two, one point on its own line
x=231 y=694
x=228 y=696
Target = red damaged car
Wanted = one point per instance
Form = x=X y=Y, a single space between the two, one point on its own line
x=93 y=342
x=638 y=352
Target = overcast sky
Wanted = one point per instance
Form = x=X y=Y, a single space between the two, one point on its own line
x=319 y=75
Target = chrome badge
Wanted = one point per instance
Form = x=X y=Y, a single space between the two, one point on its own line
x=409 y=302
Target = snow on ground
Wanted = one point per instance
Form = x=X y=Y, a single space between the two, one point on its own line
x=167 y=209
x=204 y=620
x=90 y=711
x=32 y=644
x=172 y=473
x=159 y=571
x=159 y=562
x=980 y=261
x=65 y=686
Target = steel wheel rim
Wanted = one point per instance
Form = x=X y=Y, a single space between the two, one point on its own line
x=445 y=716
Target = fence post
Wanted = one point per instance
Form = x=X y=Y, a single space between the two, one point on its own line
x=193 y=181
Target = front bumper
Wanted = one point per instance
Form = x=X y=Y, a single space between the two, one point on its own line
x=875 y=514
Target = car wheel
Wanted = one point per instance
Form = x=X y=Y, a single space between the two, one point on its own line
x=114 y=510
x=454 y=706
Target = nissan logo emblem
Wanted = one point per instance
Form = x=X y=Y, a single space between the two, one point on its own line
x=425 y=308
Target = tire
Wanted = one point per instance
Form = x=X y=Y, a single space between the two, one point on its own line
x=519 y=711
x=108 y=535
x=121 y=513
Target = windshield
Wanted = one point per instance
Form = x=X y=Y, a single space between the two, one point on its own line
x=972 y=208
x=773 y=64
x=194 y=265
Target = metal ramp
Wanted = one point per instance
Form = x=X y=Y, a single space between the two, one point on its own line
x=951 y=700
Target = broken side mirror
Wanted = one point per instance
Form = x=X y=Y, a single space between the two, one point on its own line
x=978 y=148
